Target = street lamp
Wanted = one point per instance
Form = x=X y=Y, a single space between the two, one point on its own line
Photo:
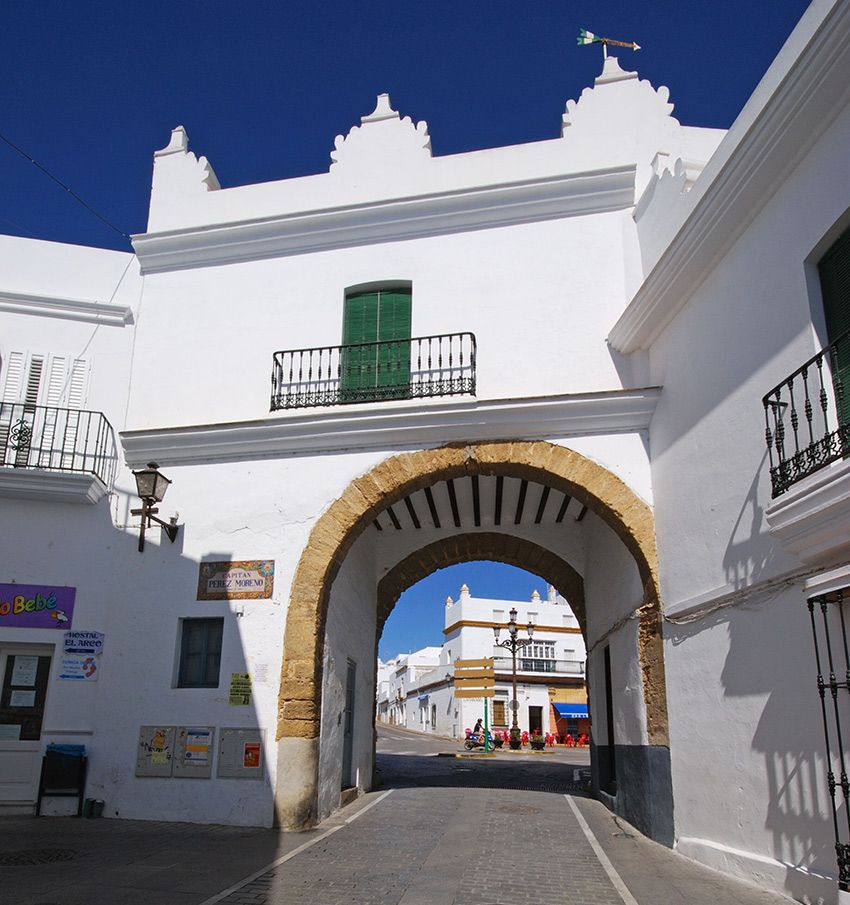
x=151 y=485
x=513 y=643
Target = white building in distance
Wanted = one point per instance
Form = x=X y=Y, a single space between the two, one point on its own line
x=675 y=462
x=416 y=691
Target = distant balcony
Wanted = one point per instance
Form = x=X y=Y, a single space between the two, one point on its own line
x=534 y=665
x=807 y=417
x=416 y=368
x=55 y=453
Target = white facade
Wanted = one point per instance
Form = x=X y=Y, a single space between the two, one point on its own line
x=549 y=670
x=666 y=279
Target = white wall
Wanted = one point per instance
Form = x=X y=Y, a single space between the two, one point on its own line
x=349 y=635
x=740 y=679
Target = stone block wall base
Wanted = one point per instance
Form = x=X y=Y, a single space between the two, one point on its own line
x=296 y=795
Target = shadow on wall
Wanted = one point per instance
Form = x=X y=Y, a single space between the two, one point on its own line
x=769 y=660
x=146 y=605
x=751 y=552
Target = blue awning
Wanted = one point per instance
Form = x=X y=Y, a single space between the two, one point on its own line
x=571 y=711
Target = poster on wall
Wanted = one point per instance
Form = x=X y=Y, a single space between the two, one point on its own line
x=240 y=754
x=80 y=669
x=155 y=755
x=36 y=606
x=194 y=752
x=240 y=689
x=251 y=579
x=24 y=671
x=22 y=698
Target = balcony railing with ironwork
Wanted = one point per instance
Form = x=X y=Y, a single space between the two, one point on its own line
x=807 y=416
x=57 y=439
x=371 y=372
x=540 y=664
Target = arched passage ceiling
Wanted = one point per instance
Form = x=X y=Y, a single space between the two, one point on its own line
x=481 y=501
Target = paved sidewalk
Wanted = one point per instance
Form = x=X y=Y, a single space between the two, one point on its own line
x=413 y=846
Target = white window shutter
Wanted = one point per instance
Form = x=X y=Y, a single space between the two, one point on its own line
x=78 y=383
x=56 y=381
x=13 y=375
x=35 y=373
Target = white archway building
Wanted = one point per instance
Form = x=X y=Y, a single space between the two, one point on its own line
x=664 y=280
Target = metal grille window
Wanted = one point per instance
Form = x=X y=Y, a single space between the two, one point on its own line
x=200 y=653
x=829 y=619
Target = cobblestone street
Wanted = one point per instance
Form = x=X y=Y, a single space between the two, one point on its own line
x=439 y=831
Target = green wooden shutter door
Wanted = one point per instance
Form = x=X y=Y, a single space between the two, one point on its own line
x=834 y=270
x=394 y=332
x=377 y=371
x=360 y=325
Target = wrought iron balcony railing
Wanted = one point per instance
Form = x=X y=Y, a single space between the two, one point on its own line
x=57 y=439
x=371 y=372
x=807 y=416
x=540 y=664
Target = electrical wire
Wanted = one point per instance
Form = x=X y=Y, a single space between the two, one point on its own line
x=62 y=185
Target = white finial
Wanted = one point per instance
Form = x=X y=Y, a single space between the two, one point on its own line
x=613 y=72
x=449 y=600
x=383 y=110
x=179 y=142
x=535 y=595
x=551 y=593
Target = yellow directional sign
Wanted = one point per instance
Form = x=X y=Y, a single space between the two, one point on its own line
x=474 y=678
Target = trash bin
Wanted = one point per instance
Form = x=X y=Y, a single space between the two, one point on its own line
x=93 y=807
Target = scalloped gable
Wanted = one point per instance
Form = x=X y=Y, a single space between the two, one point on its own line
x=382 y=139
x=178 y=173
x=622 y=110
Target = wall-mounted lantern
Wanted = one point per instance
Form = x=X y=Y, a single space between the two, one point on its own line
x=151 y=486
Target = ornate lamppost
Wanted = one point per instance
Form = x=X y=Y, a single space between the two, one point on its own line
x=513 y=643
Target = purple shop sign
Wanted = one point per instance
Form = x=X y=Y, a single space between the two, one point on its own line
x=36 y=606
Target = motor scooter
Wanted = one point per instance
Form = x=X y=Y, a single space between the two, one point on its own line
x=473 y=741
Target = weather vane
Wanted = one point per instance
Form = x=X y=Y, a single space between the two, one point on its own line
x=588 y=37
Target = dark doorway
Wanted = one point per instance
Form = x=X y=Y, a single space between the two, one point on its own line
x=535 y=720
x=348 y=727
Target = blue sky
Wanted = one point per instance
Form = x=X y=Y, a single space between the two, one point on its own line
x=91 y=89
x=417 y=619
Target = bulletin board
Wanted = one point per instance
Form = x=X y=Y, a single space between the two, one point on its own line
x=155 y=755
x=240 y=754
x=194 y=755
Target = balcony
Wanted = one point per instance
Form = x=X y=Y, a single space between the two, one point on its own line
x=416 y=368
x=807 y=417
x=54 y=453
x=538 y=665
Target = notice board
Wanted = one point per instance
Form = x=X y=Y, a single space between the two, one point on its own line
x=156 y=751
x=194 y=755
x=240 y=754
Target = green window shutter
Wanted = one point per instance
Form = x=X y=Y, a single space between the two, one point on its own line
x=361 y=318
x=834 y=271
x=394 y=315
x=377 y=371
x=394 y=332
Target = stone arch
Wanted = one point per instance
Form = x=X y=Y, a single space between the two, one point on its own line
x=515 y=551
x=299 y=701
